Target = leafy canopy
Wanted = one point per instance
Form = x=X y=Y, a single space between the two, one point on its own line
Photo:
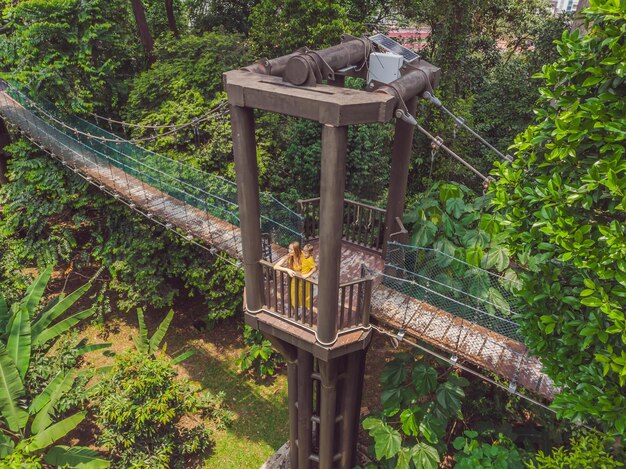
x=563 y=204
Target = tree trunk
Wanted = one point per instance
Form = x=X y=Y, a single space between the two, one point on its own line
x=5 y=139
x=171 y=19
x=142 y=26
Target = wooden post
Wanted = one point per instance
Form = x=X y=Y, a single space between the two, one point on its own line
x=328 y=373
x=247 y=173
x=400 y=157
x=305 y=408
x=351 y=406
x=334 y=147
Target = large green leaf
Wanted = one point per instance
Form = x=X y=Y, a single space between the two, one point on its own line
x=43 y=419
x=52 y=433
x=449 y=397
x=425 y=456
x=387 y=442
x=141 y=341
x=76 y=456
x=424 y=233
x=19 y=341
x=35 y=290
x=58 y=309
x=424 y=378
x=497 y=257
x=11 y=389
x=157 y=338
x=61 y=327
x=40 y=401
x=455 y=207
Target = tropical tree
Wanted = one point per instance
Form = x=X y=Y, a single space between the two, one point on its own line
x=562 y=202
x=28 y=427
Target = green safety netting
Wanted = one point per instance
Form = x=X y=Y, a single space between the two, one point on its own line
x=455 y=286
x=205 y=191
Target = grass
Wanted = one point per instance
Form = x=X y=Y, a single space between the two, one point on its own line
x=260 y=426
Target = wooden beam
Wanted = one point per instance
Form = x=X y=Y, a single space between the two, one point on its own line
x=323 y=103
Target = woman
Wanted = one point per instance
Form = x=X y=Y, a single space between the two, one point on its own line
x=294 y=268
x=308 y=268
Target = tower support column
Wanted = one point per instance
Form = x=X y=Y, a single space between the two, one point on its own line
x=247 y=172
x=400 y=158
x=333 y=176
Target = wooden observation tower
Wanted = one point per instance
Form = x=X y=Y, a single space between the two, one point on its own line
x=325 y=341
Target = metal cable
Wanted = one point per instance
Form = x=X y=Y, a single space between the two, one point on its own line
x=439 y=143
x=429 y=95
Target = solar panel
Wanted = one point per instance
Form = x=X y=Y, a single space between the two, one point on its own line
x=392 y=46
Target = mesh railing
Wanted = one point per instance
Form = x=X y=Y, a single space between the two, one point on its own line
x=205 y=191
x=452 y=285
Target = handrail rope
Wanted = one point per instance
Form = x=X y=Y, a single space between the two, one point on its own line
x=161 y=126
x=120 y=140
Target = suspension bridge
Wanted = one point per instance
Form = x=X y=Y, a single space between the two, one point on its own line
x=416 y=293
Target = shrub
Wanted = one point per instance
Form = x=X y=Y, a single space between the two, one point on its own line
x=149 y=418
x=502 y=454
x=260 y=356
x=586 y=452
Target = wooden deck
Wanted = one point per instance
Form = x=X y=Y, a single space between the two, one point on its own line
x=390 y=309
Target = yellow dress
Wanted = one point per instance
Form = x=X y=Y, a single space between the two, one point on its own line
x=307 y=264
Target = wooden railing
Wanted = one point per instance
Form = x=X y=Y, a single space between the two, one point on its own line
x=295 y=298
x=363 y=225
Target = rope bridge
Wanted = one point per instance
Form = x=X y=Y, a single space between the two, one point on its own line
x=432 y=297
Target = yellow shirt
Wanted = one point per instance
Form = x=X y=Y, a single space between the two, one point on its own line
x=308 y=264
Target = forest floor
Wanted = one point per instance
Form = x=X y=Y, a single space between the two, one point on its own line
x=260 y=425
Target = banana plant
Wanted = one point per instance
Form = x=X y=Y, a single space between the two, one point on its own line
x=150 y=345
x=27 y=424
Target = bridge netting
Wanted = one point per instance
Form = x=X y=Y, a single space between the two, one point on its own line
x=205 y=191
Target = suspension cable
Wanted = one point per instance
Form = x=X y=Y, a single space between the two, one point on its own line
x=460 y=121
x=438 y=142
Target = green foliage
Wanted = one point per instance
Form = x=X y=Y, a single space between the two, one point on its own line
x=448 y=218
x=73 y=52
x=417 y=407
x=149 y=346
x=586 y=452
x=260 y=356
x=562 y=205
x=149 y=418
x=279 y=28
x=30 y=405
x=502 y=454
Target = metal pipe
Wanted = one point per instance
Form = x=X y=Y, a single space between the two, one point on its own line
x=334 y=147
x=247 y=175
x=418 y=79
x=274 y=67
x=315 y=66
